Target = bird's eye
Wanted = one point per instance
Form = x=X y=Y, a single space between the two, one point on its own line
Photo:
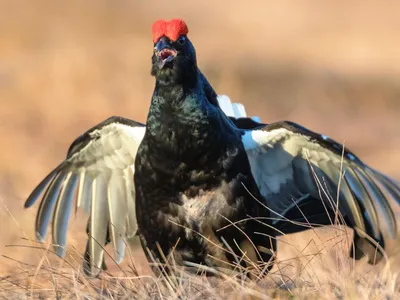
x=181 y=40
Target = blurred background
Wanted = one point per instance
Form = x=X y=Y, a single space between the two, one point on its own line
x=65 y=66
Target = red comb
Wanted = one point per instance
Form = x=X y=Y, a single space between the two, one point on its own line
x=171 y=29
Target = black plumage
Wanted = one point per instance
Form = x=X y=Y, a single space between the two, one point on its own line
x=191 y=174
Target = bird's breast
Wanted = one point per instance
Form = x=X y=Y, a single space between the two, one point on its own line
x=207 y=203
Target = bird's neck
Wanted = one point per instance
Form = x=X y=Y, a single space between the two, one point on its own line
x=175 y=111
x=188 y=140
x=182 y=123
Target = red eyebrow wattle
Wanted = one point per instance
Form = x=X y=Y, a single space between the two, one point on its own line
x=172 y=29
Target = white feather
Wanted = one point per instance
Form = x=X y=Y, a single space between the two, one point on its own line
x=282 y=160
x=110 y=151
x=226 y=105
x=238 y=110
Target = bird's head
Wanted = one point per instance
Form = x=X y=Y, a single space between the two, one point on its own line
x=174 y=57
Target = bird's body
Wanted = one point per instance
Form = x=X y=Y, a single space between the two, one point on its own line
x=191 y=174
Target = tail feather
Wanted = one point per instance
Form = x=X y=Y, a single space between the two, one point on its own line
x=238 y=110
x=234 y=110
x=226 y=105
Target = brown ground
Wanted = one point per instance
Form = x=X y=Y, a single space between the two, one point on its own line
x=67 y=65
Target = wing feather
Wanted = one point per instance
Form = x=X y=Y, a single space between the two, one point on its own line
x=85 y=191
x=389 y=185
x=46 y=206
x=380 y=201
x=130 y=196
x=62 y=213
x=95 y=170
x=349 y=206
x=98 y=223
x=361 y=193
x=39 y=189
x=116 y=190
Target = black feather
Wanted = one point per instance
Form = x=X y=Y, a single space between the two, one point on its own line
x=192 y=175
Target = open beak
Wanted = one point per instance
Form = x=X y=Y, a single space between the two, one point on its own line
x=164 y=52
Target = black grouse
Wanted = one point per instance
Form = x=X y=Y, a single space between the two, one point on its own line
x=194 y=186
x=207 y=191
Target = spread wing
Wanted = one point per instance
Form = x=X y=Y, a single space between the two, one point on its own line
x=303 y=176
x=98 y=174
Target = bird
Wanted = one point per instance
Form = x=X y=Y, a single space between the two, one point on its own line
x=97 y=175
x=193 y=176
x=191 y=169
x=211 y=194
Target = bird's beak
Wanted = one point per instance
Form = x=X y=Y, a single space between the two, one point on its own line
x=164 y=52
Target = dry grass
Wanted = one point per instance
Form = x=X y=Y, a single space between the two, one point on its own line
x=320 y=270
x=67 y=65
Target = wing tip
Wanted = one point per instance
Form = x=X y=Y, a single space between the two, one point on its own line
x=118 y=257
x=34 y=196
x=60 y=250
x=90 y=272
x=29 y=202
x=41 y=238
x=362 y=246
x=89 y=269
